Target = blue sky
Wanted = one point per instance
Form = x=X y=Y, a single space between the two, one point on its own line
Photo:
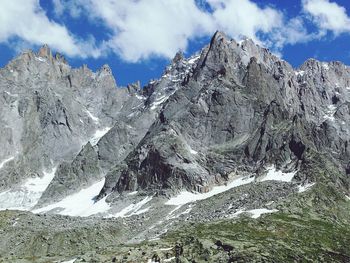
x=137 y=38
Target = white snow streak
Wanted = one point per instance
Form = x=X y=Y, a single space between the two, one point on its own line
x=6 y=161
x=81 y=203
x=274 y=175
x=70 y=261
x=158 y=102
x=98 y=135
x=193 y=59
x=41 y=59
x=188 y=197
x=168 y=259
x=95 y=119
x=133 y=209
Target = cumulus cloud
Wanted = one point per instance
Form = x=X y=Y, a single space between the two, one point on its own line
x=153 y=27
x=243 y=17
x=144 y=28
x=140 y=29
x=328 y=16
x=28 y=22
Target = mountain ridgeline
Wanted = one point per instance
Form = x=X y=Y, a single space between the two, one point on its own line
x=233 y=109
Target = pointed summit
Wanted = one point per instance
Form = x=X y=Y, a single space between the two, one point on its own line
x=218 y=36
x=178 y=57
x=45 y=52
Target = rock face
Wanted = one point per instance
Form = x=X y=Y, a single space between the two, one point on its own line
x=49 y=111
x=234 y=107
x=239 y=108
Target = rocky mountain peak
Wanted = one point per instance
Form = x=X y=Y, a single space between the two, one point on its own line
x=45 y=52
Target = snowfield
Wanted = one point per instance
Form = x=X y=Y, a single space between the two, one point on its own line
x=255 y=213
x=189 y=197
x=274 y=175
x=81 y=203
x=26 y=196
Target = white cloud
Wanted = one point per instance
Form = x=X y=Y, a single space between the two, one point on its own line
x=144 y=28
x=328 y=16
x=243 y=17
x=74 y=8
x=140 y=29
x=27 y=21
x=151 y=28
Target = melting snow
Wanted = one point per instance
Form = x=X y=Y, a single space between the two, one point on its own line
x=98 y=135
x=188 y=197
x=6 y=161
x=305 y=187
x=27 y=195
x=81 y=203
x=255 y=213
x=70 y=261
x=133 y=209
x=274 y=175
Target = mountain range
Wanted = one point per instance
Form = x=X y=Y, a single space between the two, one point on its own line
x=232 y=155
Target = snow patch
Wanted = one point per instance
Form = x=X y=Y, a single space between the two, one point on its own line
x=189 y=197
x=133 y=209
x=169 y=259
x=255 y=213
x=300 y=73
x=194 y=59
x=41 y=59
x=81 y=203
x=140 y=97
x=6 y=161
x=274 y=175
x=27 y=195
x=325 y=66
x=305 y=187
x=158 y=102
x=98 y=135
x=331 y=110
x=70 y=261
